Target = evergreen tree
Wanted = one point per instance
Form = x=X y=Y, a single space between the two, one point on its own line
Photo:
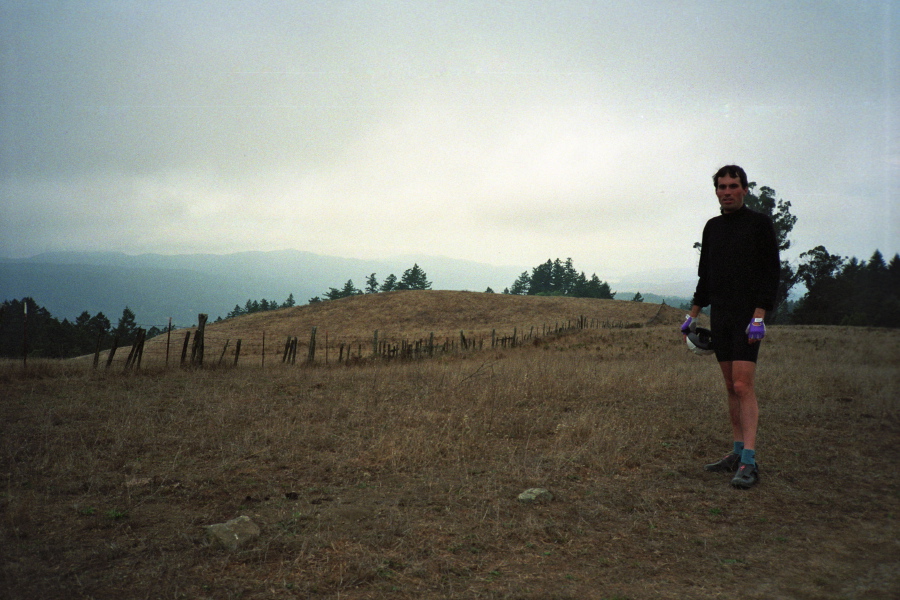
x=522 y=285
x=560 y=277
x=414 y=278
x=289 y=302
x=390 y=283
x=88 y=330
x=598 y=289
x=126 y=328
x=541 y=279
x=82 y=320
x=99 y=324
x=637 y=298
x=371 y=284
x=348 y=290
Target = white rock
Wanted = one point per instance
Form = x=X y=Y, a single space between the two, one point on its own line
x=234 y=533
x=535 y=495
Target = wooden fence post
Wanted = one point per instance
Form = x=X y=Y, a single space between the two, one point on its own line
x=375 y=344
x=225 y=349
x=168 y=339
x=97 y=352
x=140 y=352
x=311 y=353
x=187 y=341
x=25 y=334
x=112 y=351
x=137 y=350
x=237 y=351
x=133 y=351
x=199 y=341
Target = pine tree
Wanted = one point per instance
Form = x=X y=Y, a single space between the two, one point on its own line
x=126 y=328
x=522 y=285
x=414 y=278
x=371 y=284
x=348 y=290
x=390 y=283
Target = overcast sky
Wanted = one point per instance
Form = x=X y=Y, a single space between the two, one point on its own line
x=506 y=132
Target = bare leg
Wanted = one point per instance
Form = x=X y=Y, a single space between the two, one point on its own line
x=743 y=409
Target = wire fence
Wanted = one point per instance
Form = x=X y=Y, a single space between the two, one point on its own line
x=195 y=347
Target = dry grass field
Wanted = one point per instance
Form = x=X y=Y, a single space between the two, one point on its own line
x=399 y=479
x=399 y=316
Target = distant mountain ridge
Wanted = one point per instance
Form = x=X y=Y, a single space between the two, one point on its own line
x=157 y=286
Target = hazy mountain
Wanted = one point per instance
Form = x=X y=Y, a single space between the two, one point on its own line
x=157 y=286
x=675 y=286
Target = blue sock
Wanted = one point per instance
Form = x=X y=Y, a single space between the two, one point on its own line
x=748 y=457
x=738 y=447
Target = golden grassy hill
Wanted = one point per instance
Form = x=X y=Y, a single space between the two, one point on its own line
x=413 y=315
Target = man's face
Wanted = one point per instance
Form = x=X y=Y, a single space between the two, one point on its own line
x=730 y=193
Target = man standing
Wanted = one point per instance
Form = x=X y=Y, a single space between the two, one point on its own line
x=738 y=279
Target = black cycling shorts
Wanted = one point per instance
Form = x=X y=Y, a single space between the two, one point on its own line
x=729 y=334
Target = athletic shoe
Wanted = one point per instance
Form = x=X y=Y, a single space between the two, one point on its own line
x=728 y=464
x=747 y=476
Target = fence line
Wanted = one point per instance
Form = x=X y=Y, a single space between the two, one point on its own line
x=352 y=351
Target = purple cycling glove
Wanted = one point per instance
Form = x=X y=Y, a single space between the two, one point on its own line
x=756 y=330
x=689 y=325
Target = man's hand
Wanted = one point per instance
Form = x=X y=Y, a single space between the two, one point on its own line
x=756 y=331
x=689 y=325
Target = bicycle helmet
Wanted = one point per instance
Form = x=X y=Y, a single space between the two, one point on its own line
x=700 y=341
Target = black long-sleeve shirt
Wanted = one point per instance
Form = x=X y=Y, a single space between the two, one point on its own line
x=739 y=262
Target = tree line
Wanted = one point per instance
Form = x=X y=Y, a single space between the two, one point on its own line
x=24 y=324
x=841 y=291
x=558 y=278
x=255 y=306
x=413 y=278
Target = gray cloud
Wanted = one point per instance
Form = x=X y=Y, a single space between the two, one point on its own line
x=505 y=132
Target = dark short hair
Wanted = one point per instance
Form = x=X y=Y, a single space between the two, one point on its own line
x=731 y=171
